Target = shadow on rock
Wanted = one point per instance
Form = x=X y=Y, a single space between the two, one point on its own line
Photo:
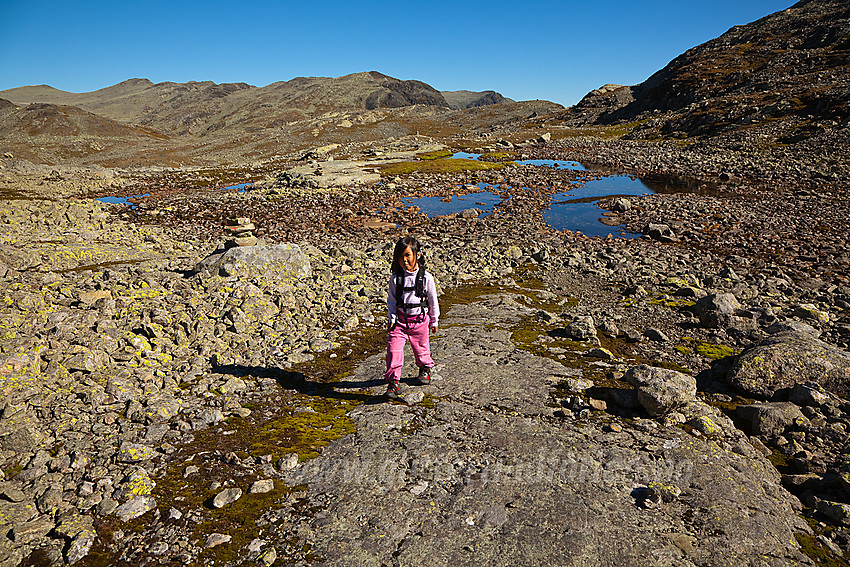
x=300 y=382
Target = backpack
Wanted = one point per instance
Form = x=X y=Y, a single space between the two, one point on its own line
x=418 y=289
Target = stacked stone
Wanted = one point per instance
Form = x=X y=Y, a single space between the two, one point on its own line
x=241 y=231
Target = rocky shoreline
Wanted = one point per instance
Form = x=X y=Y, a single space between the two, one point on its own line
x=165 y=403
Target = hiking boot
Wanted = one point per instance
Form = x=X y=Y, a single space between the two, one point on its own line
x=393 y=391
x=424 y=377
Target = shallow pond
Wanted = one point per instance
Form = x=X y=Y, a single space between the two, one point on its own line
x=574 y=209
x=483 y=200
x=121 y=200
x=577 y=209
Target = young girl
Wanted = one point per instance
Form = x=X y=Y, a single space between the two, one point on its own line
x=412 y=309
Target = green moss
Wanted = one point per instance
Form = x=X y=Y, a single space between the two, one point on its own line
x=818 y=552
x=439 y=154
x=439 y=166
x=715 y=352
x=12 y=471
x=304 y=432
x=780 y=461
x=682 y=349
x=498 y=156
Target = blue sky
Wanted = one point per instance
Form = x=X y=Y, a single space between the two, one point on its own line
x=533 y=50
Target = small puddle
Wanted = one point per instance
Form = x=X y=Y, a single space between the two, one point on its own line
x=112 y=200
x=240 y=187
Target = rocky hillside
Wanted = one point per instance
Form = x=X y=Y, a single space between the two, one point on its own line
x=198 y=107
x=786 y=75
x=204 y=122
x=460 y=100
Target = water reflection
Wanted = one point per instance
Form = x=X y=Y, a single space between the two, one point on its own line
x=483 y=200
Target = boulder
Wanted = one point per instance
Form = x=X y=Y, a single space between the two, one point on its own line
x=135 y=507
x=661 y=233
x=785 y=359
x=723 y=311
x=582 y=328
x=278 y=262
x=661 y=390
x=808 y=394
x=621 y=205
x=770 y=419
x=226 y=497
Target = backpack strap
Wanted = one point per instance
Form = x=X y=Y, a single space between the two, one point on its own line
x=418 y=289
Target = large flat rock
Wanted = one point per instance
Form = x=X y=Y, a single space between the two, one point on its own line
x=481 y=473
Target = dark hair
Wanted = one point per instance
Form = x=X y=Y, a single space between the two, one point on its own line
x=398 y=254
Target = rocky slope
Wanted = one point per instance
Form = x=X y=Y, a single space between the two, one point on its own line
x=154 y=412
x=791 y=64
x=203 y=122
x=777 y=85
x=195 y=107
x=460 y=100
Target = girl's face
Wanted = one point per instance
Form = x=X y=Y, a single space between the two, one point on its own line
x=410 y=260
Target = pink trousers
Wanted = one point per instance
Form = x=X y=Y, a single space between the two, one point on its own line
x=417 y=334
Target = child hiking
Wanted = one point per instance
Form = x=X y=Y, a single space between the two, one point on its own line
x=412 y=310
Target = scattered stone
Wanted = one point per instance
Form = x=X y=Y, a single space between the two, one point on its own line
x=656 y=335
x=268 y=557
x=661 y=233
x=808 y=394
x=724 y=311
x=414 y=397
x=704 y=425
x=261 y=486
x=836 y=511
x=226 y=497
x=582 y=328
x=216 y=539
x=288 y=462
x=811 y=312
x=660 y=390
x=600 y=352
x=621 y=205
x=277 y=262
x=135 y=507
x=770 y=418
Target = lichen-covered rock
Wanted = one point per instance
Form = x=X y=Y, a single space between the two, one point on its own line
x=770 y=418
x=660 y=390
x=582 y=328
x=723 y=310
x=278 y=262
x=787 y=358
x=226 y=497
x=135 y=507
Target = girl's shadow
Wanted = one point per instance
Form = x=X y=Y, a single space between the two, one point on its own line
x=300 y=382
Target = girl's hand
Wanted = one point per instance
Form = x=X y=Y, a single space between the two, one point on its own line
x=434 y=330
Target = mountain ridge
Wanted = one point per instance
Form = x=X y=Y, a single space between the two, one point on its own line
x=791 y=64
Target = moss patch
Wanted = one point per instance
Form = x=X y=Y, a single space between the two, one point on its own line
x=715 y=352
x=818 y=552
x=439 y=166
x=439 y=154
x=304 y=430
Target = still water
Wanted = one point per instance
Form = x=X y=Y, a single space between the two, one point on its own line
x=574 y=209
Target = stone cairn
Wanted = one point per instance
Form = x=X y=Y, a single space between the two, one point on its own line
x=241 y=232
